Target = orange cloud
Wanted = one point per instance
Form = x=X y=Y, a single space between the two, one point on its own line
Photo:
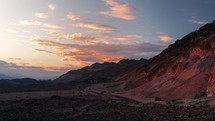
x=31 y=23
x=165 y=38
x=73 y=17
x=125 y=37
x=97 y=52
x=40 y=24
x=94 y=26
x=53 y=44
x=107 y=38
x=58 y=68
x=42 y=15
x=87 y=39
x=117 y=10
x=52 y=6
x=52 y=26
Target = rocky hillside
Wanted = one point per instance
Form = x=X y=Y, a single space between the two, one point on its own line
x=183 y=70
x=100 y=72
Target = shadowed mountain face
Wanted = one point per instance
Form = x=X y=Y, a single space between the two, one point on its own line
x=100 y=72
x=183 y=70
x=24 y=81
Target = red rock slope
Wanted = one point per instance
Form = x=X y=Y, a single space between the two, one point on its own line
x=183 y=70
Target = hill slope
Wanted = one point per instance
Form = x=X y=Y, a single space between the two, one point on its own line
x=183 y=70
x=100 y=72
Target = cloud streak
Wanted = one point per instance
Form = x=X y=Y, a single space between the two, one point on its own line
x=199 y=22
x=119 y=38
x=40 y=24
x=73 y=17
x=42 y=15
x=53 y=44
x=119 y=10
x=79 y=37
x=94 y=26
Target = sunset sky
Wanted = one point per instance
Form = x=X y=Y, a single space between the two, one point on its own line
x=42 y=38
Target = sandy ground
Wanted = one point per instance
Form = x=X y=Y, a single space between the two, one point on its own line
x=73 y=93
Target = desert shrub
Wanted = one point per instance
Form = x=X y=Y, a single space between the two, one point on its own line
x=174 y=102
x=158 y=99
x=200 y=104
x=199 y=95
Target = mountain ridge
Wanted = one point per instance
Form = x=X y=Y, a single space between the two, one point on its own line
x=189 y=62
x=4 y=76
x=100 y=72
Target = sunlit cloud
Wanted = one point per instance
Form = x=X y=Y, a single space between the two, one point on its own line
x=53 y=44
x=53 y=26
x=42 y=15
x=52 y=6
x=163 y=37
x=73 y=17
x=31 y=23
x=99 y=52
x=94 y=38
x=87 y=39
x=119 y=38
x=119 y=10
x=94 y=26
x=198 y=22
x=40 y=24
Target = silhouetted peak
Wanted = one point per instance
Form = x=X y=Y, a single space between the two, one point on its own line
x=127 y=61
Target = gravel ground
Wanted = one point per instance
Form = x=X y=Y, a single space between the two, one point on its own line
x=95 y=108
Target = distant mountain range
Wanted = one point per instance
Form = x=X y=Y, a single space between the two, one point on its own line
x=4 y=76
x=24 y=81
x=183 y=70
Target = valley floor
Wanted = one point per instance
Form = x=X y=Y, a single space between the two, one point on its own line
x=92 y=107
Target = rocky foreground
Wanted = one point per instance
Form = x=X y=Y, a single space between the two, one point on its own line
x=96 y=108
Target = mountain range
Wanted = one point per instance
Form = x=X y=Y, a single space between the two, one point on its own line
x=4 y=76
x=183 y=70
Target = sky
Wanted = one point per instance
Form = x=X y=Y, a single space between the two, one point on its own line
x=45 y=38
